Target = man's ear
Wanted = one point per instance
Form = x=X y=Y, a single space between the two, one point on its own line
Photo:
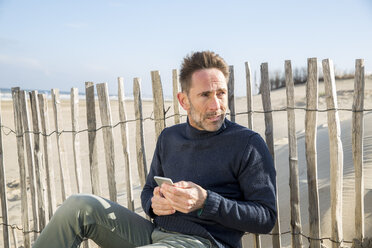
x=183 y=100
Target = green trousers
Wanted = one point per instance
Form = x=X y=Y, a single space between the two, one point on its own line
x=109 y=225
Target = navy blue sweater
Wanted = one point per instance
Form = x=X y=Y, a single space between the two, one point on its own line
x=235 y=167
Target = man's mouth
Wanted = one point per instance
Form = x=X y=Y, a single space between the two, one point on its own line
x=214 y=117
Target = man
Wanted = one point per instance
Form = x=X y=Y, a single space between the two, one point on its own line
x=223 y=173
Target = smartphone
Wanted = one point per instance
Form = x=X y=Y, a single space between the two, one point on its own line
x=161 y=180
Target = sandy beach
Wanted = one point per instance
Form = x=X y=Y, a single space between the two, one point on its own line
x=278 y=97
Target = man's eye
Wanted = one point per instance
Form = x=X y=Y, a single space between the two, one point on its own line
x=205 y=94
x=222 y=93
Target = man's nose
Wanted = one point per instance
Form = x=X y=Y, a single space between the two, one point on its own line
x=214 y=103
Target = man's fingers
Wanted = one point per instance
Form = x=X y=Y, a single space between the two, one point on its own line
x=183 y=184
x=185 y=196
x=182 y=196
x=159 y=201
x=157 y=190
x=174 y=190
x=161 y=206
x=180 y=203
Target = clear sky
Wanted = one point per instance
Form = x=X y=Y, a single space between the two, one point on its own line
x=61 y=44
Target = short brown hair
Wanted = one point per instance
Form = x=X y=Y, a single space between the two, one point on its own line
x=197 y=61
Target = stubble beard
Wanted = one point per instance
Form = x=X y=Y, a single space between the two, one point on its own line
x=201 y=121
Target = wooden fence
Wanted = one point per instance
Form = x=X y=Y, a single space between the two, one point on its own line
x=34 y=149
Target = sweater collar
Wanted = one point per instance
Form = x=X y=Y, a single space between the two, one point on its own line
x=192 y=132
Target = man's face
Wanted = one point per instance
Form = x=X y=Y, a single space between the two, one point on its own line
x=206 y=101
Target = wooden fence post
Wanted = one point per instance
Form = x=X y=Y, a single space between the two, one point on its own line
x=140 y=139
x=177 y=117
x=248 y=78
x=4 y=202
x=158 y=102
x=39 y=165
x=22 y=166
x=75 y=138
x=30 y=158
x=15 y=239
x=108 y=137
x=256 y=237
x=92 y=139
x=231 y=97
x=49 y=168
x=63 y=169
x=269 y=134
x=357 y=141
x=311 y=151
x=336 y=155
x=125 y=143
x=294 y=184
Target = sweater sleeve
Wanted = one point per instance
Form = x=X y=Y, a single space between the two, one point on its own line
x=148 y=189
x=256 y=213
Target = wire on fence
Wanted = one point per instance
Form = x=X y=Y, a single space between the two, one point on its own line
x=6 y=133
x=269 y=234
x=310 y=238
x=14 y=226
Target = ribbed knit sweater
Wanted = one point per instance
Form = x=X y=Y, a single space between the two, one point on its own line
x=235 y=167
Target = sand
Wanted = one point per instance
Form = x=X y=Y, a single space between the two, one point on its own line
x=345 y=99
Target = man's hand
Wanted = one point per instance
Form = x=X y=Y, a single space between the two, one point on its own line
x=184 y=197
x=160 y=205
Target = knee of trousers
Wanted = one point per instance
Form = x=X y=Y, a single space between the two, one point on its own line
x=77 y=208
